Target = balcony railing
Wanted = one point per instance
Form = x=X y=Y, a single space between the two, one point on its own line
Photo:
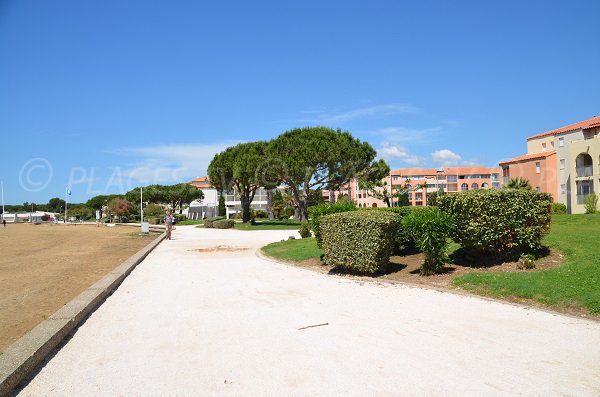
x=584 y=171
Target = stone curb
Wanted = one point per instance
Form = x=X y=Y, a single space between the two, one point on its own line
x=23 y=356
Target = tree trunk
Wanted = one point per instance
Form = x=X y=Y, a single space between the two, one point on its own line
x=270 y=203
x=245 y=209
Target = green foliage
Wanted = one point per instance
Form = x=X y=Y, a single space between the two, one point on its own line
x=55 y=205
x=503 y=223
x=243 y=167
x=154 y=210
x=359 y=241
x=209 y=222
x=430 y=228
x=317 y=211
x=518 y=183
x=82 y=212
x=559 y=208
x=294 y=250
x=591 y=203
x=221 y=210
x=500 y=222
x=284 y=224
x=317 y=157
x=177 y=196
x=573 y=284
x=526 y=261
x=305 y=230
x=403 y=241
x=98 y=202
x=223 y=224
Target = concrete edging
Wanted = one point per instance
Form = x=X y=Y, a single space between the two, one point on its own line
x=23 y=356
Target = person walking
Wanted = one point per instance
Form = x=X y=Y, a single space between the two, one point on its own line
x=4 y=222
x=168 y=223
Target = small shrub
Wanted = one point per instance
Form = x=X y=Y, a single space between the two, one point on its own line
x=223 y=224
x=179 y=217
x=260 y=214
x=209 y=222
x=305 y=230
x=591 y=203
x=430 y=227
x=359 y=241
x=526 y=261
x=500 y=222
x=317 y=211
x=559 y=208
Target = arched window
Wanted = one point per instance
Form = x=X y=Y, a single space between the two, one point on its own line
x=474 y=186
x=408 y=186
x=484 y=185
x=464 y=186
x=584 y=165
x=374 y=205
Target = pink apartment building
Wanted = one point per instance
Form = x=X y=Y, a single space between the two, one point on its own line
x=422 y=181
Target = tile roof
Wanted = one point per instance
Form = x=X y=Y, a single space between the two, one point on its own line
x=201 y=182
x=446 y=170
x=528 y=157
x=589 y=123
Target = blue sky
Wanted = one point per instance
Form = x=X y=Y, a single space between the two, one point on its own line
x=104 y=96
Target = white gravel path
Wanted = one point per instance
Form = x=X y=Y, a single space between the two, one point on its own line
x=189 y=323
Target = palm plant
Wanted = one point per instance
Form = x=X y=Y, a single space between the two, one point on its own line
x=518 y=183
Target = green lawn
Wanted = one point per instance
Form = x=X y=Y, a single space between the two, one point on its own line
x=576 y=283
x=294 y=250
x=269 y=225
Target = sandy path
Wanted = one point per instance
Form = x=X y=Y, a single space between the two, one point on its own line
x=227 y=323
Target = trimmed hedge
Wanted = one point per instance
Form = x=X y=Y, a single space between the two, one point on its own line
x=317 y=211
x=559 y=208
x=359 y=241
x=223 y=224
x=504 y=222
x=209 y=222
x=404 y=242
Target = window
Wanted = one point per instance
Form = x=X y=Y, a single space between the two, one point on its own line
x=495 y=177
x=584 y=188
x=544 y=146
x=395 y=178
x=552 y=144
x=563 y=189
x=359 y=195
x=537 y=189
x=464 y=186
x=495 y=185
x=419 y=197
x=452 y=178
x=538 y=167
x=561 y=142
x=474 y=186
x=484 y=185
x=562 y=164
x=584 y=165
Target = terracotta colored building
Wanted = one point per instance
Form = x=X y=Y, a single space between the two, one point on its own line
x=564 y=162
x=422 y=181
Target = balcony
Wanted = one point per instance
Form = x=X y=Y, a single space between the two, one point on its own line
x=583 y=171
